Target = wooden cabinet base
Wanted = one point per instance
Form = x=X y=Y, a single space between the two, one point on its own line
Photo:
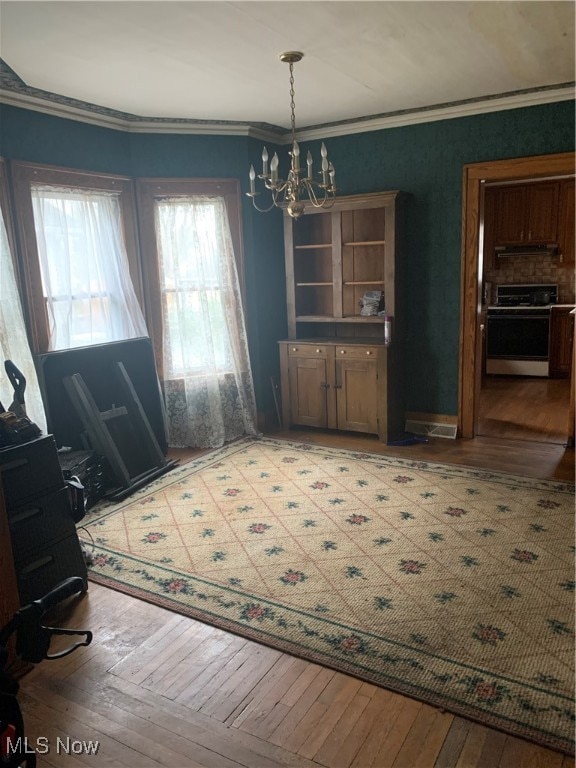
x=339 y=384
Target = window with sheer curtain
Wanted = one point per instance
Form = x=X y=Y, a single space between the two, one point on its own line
x=13 y=339
x=207 y=379
x=86 y=282
x=199 y=324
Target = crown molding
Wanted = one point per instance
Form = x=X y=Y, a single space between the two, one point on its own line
x=119 y=121
x=468 y=108
x=20 y=96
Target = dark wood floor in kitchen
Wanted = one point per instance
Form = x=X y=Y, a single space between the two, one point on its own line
x=524 y=408
x=243 y=704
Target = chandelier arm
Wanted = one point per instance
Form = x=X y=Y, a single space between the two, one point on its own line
x=264 y=210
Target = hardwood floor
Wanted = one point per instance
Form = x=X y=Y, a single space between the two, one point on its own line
x=524 y=408
x=159 y=689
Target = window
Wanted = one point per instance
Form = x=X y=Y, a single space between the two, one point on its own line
x=195 y=285
x=80 y=263
x=191 y=240
x=86 y=285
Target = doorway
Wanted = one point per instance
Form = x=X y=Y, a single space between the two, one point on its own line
x=471 y=340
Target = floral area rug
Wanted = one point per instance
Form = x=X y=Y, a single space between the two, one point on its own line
x=451 y=585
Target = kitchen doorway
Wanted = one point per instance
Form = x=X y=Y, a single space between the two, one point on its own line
x=473 y=410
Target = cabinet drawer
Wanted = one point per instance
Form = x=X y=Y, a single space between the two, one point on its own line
x=356 y=352
x=29 y=469
x=297 y=349
x=40 y=522
x=41 y=570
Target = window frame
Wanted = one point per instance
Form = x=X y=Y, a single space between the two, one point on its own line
x=148 y=190
x=23 y=176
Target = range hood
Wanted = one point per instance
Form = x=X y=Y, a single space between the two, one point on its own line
x=544 y=249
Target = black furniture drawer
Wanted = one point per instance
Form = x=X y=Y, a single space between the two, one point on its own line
x=29 y=469
x=40 y=522
x=42 y=570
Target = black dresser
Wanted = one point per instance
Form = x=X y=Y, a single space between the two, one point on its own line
x=43 y=534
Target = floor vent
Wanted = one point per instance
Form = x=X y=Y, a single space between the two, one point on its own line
x=430 y=429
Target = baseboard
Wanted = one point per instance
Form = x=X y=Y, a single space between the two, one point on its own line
x=432 y=424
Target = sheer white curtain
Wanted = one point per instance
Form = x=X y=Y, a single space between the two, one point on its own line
x=89 y=295
x=13 y=340
x=207 y=378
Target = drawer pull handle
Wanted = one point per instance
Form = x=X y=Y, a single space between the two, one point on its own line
x=368 y=352
x=325 y=385
x=337 y=386
x=318 y=351
x=342 y=351
x=25 y=515
x=294 y=349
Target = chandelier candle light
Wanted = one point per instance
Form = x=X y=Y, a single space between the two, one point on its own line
x=293 y=192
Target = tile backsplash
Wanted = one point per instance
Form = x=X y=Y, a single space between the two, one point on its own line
x=534 y=269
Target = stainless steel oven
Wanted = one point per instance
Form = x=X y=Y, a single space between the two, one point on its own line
x=518 y=330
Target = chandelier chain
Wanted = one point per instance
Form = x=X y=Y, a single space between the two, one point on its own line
x=292 y=103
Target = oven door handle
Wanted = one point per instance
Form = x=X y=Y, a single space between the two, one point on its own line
x=518 y=317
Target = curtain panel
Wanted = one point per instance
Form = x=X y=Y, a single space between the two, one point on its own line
x=13 y=339
x=207 y=378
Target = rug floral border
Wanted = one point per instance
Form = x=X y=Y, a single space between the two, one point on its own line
x=532 y=711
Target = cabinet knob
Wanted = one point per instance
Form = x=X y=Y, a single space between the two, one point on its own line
x=368 y=352
x=294 y=349
x=318 y=351
x=342 y=351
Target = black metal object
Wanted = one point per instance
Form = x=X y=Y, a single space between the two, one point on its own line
x=122 y=433
x=32 y=645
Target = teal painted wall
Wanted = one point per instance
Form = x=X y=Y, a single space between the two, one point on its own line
x=423 y=160
x=426 y=161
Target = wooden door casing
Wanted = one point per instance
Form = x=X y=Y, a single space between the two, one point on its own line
x=474 y=175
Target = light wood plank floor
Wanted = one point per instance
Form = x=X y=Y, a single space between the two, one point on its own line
x=159 y=689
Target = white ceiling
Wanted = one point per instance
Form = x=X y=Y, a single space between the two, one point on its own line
x=219 y=60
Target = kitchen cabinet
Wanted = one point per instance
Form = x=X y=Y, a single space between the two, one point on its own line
x=541 y=224
x=566 y=221
x=520 y=214
x=561 y=341
x=334 y=384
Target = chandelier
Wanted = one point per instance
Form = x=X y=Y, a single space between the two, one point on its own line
x=298 y=188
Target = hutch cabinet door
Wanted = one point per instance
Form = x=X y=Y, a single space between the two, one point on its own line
x=356 y=395
x=308 y=385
